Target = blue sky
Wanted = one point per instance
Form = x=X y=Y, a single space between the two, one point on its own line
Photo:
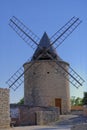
x=40 y=16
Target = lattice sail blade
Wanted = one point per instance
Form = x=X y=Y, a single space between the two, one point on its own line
x=65 y=31
x=16 y=79
x=74 y=75
x=24 y=32
x=74 y=78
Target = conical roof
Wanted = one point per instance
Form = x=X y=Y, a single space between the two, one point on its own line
x=44 y=47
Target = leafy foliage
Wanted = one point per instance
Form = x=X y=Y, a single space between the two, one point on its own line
x=76 y=101
x=21 y=102
x=85 y=99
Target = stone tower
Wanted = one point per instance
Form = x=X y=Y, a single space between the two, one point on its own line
x=44 y=85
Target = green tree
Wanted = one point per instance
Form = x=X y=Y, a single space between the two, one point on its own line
x=76 y=101
x=84 y=101
x=72 y=100
x=21 y=101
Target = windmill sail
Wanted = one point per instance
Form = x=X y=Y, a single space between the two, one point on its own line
x=57 y=40
x=25 y=33
x=17 y=78
x=75 y=78
x=65 y=31
x=29 y=37
x=72 y=76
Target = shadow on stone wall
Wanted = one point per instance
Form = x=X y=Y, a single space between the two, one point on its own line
x=25 y=115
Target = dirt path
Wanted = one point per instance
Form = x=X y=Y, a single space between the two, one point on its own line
x=38 y=128
x=65 y=123
x=71 y=120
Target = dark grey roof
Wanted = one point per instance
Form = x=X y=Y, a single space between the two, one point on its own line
x=45 y=46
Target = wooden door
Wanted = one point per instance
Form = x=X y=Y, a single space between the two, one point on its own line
x=58 y=103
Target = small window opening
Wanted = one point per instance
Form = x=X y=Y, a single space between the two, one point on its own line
x=34 y=73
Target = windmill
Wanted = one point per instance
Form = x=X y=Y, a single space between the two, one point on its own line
x=45 y=55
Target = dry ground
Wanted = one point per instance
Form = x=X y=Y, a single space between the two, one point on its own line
x=65 y=123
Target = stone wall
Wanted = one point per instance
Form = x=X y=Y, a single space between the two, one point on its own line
x=76 y=108
x=85 y=110
x=25 y=115
x=4 y=108
x=46 y=117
